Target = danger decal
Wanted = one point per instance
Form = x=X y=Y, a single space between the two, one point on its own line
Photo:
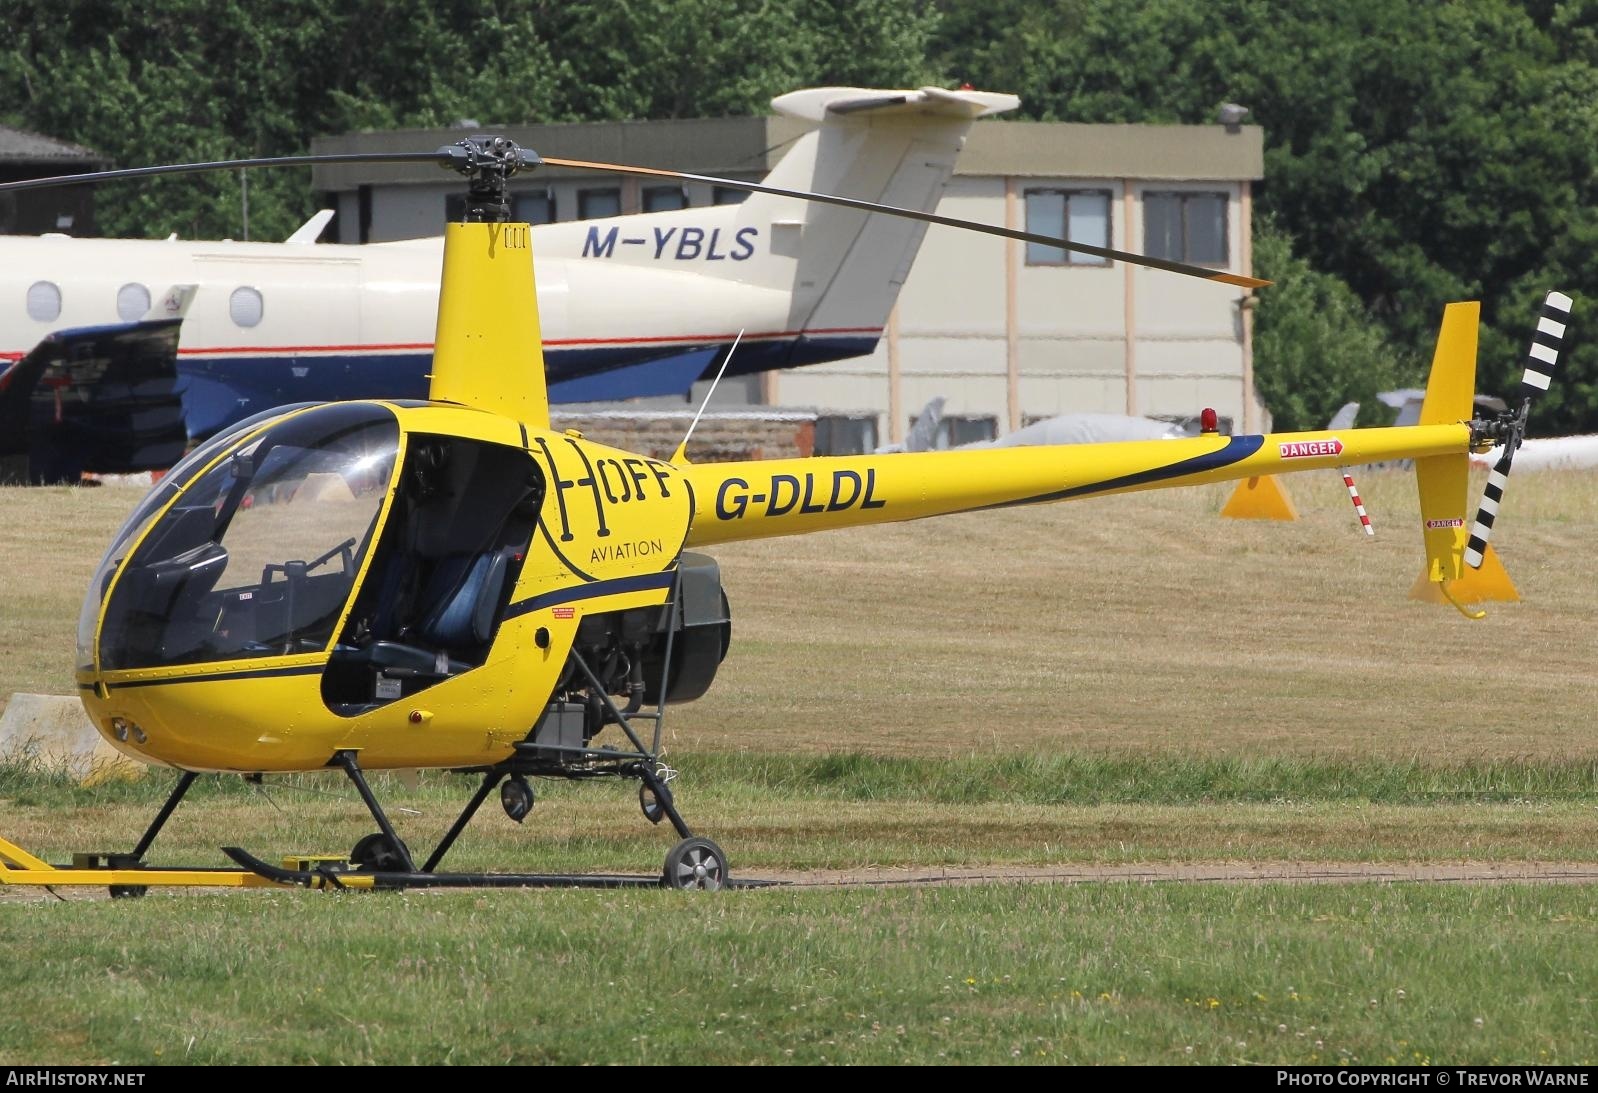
x=1298 y=449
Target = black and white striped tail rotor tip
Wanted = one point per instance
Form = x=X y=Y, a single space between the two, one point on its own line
x=1543 y=358
x=1542 y=361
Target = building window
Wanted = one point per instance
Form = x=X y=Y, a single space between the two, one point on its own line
x=660 y=199
x=728 y=195
x=1185 y=227
x=133 y=301
x=845 y=434
x=534 y=208
x=1082 y=216
x=597 y=204
x=957 y=429
x=245 y=307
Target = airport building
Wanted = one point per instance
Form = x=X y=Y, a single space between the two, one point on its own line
x=1006 y=332
x=25 y=155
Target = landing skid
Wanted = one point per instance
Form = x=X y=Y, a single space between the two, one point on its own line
x=382 y=860
x=21 y=869
x=325 y=877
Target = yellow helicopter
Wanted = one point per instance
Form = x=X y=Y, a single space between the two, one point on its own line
x=451 y=584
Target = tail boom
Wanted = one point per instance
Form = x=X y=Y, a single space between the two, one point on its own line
x=760 y=499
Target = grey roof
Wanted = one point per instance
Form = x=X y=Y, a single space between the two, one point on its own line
x=1070 y=150
x=21 y=146
x=748 y=147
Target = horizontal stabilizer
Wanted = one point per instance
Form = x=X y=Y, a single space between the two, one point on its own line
x=814 y=104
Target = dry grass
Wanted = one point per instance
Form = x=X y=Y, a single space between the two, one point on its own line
x=1139 y=623
x=1149 y=623
x=51 y=540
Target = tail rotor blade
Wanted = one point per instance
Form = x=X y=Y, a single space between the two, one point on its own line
x=1487 y=511
x=1542 y=361
x=1543 y=358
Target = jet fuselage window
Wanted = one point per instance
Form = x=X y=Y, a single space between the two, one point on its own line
x=246 y=307
x=133 y=301
x=44 y=301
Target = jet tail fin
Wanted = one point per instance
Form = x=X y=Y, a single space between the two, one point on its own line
x=310 y=231
x=844 y=266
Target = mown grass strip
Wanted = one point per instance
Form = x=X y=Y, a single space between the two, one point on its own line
x=1085 y=779
x=1120 y=779
x=1369 y=974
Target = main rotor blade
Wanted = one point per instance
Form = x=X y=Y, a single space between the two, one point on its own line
x=448 y=157
x=930 y=218
x=225 y=165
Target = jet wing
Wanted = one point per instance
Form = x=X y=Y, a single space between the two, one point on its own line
x=674 y=374
x=104 y=399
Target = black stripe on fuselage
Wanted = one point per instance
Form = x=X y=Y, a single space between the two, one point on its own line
x=1237 y=449
x=210 y=677
x=613 y=587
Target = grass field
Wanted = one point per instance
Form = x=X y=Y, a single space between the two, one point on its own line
x=1123 y=680
x=1006 y=973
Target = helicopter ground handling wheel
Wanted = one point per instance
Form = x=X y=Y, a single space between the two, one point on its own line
x=652 y=803
x=125 y=891
x=375 y=853
x=696 y=863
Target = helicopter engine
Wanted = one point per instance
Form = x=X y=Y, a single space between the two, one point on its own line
x=628 y=651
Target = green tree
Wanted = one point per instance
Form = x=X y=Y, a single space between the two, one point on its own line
x=1418 y=153
x=214 y=79
x=1315 y=347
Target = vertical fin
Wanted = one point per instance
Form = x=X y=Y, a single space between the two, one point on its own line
x=488 y=352
x=1444 y=480
x=1451 y=388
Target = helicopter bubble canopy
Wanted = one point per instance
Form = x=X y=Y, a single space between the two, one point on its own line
x=149 y=507
x=259 y=551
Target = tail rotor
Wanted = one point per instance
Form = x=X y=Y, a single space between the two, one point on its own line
x=1542 y=361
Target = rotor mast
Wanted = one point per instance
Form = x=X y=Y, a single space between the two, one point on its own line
x=488 y=349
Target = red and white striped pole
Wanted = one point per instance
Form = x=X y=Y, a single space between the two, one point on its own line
x=1359 y=506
